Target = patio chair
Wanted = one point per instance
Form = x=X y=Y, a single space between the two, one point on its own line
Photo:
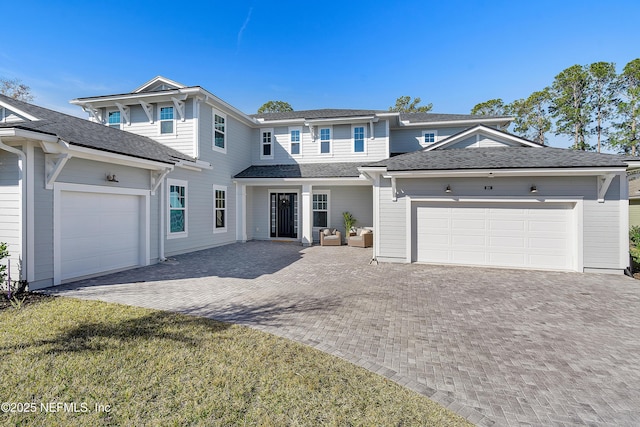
x=330 y=237
x=362 y=239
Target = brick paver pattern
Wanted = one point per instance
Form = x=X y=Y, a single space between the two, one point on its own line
x=497 y=346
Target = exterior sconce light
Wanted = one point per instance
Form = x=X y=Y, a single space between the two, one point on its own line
x=534 y=189
x=448 y=189
x=112 y=178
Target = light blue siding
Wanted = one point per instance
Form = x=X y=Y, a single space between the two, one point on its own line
x=11 y=201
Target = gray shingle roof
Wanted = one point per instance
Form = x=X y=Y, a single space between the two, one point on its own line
x=438 y=117
x=305 y=170
x=327 y=113
x=498 y=158
x=83 y=133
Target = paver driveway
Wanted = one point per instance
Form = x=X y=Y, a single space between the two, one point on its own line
x=504 y=347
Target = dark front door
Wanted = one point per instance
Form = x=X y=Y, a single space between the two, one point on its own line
x=283 y=215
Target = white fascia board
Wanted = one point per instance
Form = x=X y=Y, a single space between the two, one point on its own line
x=464 y=122
x=493 y=173
x=198 y=165
x=18 y=111
x=218 y=103
x=632 y=164
x=158 y=79
x=302 y=181
x=282 y=122
x=353 y=119
x=28 y=134
x=105 y=156
x=478 y=130
x=128 y=98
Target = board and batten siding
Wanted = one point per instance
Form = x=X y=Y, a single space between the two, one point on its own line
x=11 y=201
x=341 y=145
x=601 y=221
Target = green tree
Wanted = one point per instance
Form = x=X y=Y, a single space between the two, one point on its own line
x=531 y=116
x=275 y=107
x=626 y=137
x=570 y=106
x=602 y=95
x=492 y=107
x=15 y=89
x=404 y=104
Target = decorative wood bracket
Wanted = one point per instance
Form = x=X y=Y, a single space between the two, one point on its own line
x=54 y=163
x=156 y=179
x=179 y=107
x=604 y=181
x=394 y=195
x=93 y=112
x=148 y=109
x=124 y=110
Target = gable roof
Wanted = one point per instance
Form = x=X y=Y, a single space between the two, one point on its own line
x=84 y=133
x=303 y=170
x=498 y=158
x=481 y=129
x=159 y=80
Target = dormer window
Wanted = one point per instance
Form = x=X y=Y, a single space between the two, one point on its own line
x=428 y=137
x=113 y=119
x=166 y=120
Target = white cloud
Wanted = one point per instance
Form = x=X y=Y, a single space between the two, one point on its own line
x=244 y=26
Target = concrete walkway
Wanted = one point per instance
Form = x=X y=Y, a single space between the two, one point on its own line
x=500 y=347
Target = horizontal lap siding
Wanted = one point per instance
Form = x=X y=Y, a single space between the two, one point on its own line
x=341 y=145
x=408 y=139
x=10 y=200
x=601 y=221
x=183 y=138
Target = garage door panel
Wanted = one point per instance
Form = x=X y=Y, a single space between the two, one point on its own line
x=496 y=234
x=99 y=232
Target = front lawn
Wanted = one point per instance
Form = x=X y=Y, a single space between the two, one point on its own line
x=61 y=357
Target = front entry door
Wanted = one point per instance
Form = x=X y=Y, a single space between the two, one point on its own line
x=284 y=210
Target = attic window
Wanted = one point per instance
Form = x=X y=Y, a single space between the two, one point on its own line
x=428 y=137
x=114 y=119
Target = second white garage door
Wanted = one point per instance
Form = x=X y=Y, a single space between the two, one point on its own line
x=98 y=232
x=532 y=235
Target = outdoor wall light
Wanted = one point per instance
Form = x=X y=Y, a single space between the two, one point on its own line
x=112 y=178
x=534 y=189
x=448 y=189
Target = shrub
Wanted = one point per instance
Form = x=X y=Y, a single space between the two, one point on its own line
x=634 y=234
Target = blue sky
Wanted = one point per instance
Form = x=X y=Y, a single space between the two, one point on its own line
x=327 y=54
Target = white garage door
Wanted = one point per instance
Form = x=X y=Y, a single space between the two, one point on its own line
x=98 y=233
x=496 y=234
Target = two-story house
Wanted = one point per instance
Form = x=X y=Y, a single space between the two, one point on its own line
x=169 y=169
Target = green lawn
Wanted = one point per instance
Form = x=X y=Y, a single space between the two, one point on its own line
x=157 y=368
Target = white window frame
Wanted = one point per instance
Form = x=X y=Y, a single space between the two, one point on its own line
x=109 y=112
x=330 y=140
x=262 y=143
x=173 y=108
x=427 y=132
x=364 y=139
x=328 y=210
x=217 y=229
x=292 y=129
x=178 y=234
x=224 y=132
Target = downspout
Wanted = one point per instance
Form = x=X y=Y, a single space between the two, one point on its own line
x=23 y=201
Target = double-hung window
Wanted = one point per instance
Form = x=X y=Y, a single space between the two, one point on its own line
x=358 y=139
x=219 y=209
x=113 y=119
x=325 y=140
x=321 y=210
x=428 y=137
x=177 y=208
x=219 y=131
x=266 y=145
x=295 y=135
x=166 y=120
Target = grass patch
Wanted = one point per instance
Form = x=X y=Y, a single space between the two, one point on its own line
x=158 y=368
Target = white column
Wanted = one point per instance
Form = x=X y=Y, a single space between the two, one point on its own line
x=307 y=215
x=241 y=212
x=376 y=216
